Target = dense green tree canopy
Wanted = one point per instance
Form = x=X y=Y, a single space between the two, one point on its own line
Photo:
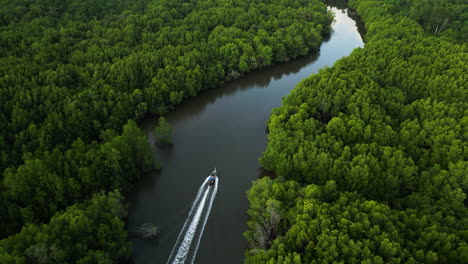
x=387 y=129
x=89 y=232
x=322 y=225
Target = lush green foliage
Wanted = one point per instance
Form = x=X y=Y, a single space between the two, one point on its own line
x=445 y=17
x=90 y=232
x=42 y=185
x=74 y=72
x=386 y=126
x=163 y=131
x=322 y=225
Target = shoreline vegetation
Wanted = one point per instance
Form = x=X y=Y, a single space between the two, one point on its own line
x=370 y=155
x=74 y=78
x=163 y=132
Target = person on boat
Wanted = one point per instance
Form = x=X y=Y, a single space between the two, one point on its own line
x=212 y=178
x=211 y=181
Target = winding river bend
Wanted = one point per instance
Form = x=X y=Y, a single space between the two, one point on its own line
x=223 y=128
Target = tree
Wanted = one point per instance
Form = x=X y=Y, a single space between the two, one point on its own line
x=163 y=131
x=89 y=232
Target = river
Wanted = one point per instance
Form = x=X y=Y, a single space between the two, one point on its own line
x=223 y=128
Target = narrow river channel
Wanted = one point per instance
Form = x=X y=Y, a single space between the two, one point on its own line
x=223 y=128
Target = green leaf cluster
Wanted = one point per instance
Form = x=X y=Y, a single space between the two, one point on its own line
x=322 y=225
x=43 y=185
x=88 y=232
x=437 y=17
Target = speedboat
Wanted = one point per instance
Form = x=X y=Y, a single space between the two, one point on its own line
x=212 y=179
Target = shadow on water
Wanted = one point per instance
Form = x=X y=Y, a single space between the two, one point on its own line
x=339 y=4
x=342 y=5
x=260 y=78
x=223 y=128
x=359 y=24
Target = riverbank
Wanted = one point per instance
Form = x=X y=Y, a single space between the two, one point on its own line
x=223 y=128
x=74 y=79
x=369 y=154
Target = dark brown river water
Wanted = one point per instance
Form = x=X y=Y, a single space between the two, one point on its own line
x=223 y=128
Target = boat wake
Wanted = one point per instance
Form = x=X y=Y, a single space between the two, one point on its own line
x=194 y=225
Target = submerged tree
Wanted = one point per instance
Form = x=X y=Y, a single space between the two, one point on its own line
x=163 y=131
x=147 y=231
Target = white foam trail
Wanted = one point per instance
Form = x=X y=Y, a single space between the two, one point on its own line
x=208 y=210
x=187 y=221
x=181 y=255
